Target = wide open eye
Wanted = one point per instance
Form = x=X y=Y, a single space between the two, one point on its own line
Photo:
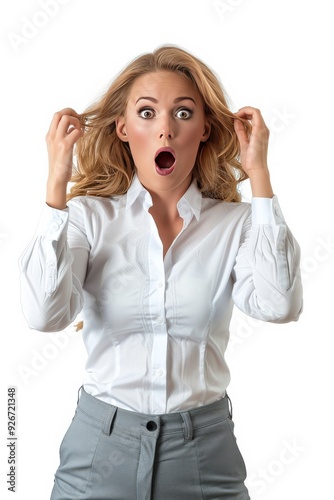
x=146 y=113
x=184 y=113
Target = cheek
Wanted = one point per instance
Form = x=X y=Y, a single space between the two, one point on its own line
x=139 y=142
x=192 y=138
x=138 y=132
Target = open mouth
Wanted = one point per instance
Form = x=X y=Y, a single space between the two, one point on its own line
x=165 y=161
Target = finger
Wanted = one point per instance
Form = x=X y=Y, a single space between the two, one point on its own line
x=241 y=132
x=73 y=136
x=252 y=114
x=58 y=116
x=66 y=125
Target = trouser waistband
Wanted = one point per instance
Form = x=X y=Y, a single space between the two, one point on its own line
x=112 y=417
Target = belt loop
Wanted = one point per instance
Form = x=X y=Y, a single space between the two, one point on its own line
x=187 y=427
x=107 y=425
x=230 y=407
x=81 y=387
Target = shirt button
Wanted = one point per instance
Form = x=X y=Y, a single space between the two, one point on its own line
x=159 y=284
x=160 y=320
x=160 y=373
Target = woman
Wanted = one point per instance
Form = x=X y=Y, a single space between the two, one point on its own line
x=154 y=247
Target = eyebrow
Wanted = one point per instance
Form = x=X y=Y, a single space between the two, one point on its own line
x=178 y=99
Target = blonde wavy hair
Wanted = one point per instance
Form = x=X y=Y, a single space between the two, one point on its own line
x=104 y=164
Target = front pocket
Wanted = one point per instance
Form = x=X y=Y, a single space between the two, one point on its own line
x=76 y=452
x=222 y=468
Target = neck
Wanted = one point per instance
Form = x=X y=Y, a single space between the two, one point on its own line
x=164 y=206
x=166 y=216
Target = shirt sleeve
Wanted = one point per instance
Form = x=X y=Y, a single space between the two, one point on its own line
x=52 y=273
x=267 y=282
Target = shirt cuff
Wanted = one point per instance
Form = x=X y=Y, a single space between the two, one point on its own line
x=52 y=222
x=267 y=211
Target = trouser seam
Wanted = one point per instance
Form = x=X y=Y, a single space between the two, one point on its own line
x=199 y=470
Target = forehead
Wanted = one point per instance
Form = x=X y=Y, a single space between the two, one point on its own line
x=163 y=83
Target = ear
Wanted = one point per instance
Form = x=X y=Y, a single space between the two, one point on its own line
x=207 y=132
x=121 y=129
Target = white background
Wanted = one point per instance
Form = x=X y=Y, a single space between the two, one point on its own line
x=274 y=55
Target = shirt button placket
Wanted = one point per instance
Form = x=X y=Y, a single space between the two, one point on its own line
x=159 y=352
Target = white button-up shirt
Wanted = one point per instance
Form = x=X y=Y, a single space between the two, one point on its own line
x=156 y=328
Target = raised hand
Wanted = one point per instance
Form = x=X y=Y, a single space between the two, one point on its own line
x=254 y=150
x=65 y=129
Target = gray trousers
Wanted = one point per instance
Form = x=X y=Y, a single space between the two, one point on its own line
x=113 y=454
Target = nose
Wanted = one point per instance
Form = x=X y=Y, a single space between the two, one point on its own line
x=166 y=129
x=164 y=134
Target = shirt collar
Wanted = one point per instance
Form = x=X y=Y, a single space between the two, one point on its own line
x=190 y=201
x=135 y=191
